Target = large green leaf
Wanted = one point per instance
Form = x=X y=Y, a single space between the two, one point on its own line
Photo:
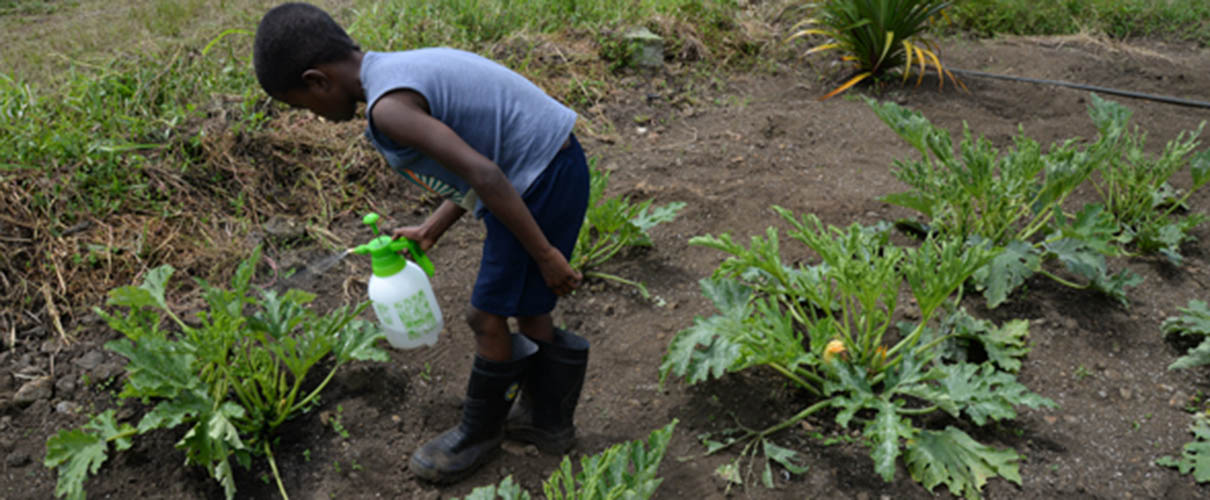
x=1007 y=271
x=1005 y=345
x=357 y=340
x=80 y=453
x=1195 y=457
x=884 y=433
x=173 y=412
x=963 y=465
x=1194 y=321
x=983 y=392
x=156 y=367
x=77 y=454
x=708 y=348
x=150 y=293
x=211 y=442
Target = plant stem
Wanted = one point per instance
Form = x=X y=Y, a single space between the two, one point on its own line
x=307 y=400
x=276 y=475
x=1062 y=281
x=619 y=279
x=796 y=418
x=792 y=376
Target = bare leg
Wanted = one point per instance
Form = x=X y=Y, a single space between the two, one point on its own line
x=540 y=328
x=492 y=337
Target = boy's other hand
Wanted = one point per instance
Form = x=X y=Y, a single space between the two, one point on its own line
x=558 y=274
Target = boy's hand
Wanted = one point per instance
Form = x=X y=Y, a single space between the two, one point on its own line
x=417 y=234
x=427 y=233
x=558 y=274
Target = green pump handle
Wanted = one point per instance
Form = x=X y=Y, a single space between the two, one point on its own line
x=385 y=243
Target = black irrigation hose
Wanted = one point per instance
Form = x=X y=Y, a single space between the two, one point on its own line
x=1093 y=88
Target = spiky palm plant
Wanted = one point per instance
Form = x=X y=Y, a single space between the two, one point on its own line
x=877 y=36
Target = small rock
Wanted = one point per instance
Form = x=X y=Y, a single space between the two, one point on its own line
x=17 y=458
x=65 y=385
x=1126 y=393
x=1102 y=394
x=108 y=370
x=90 y=360
x=67 y=407
x=1179 y=399
x=1071 y=419
x=50 y=345
x=34 y=390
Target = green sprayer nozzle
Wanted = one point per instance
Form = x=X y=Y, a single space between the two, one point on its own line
x=384 y=251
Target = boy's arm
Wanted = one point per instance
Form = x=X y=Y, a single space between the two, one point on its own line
x=402 y=116
x=427 y=233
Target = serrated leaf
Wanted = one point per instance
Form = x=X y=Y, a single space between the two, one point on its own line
x=885 y=431
x=707 y=348
x=983 y=392
x=729 y=296
x=1094 y=228
x=1198 y=356
x=1005 y=345
x=77 y=454
x=658 y=215
x=963 y=465
x=357 y=340
x=784 y=456
x=107 y=426
x=150 y=293
x=211 y=442
x=1195 y=456
x=173 y=412
x=156 y=367
x=1007 y=271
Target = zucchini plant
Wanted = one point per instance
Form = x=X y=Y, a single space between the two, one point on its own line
x=615 y=224
x=230 y=378
x=1014 y=201
x=828 y=329
x=1195 y=455
x=623 y=471
x=1136 y=188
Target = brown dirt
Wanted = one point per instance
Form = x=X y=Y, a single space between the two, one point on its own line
x=730 y=152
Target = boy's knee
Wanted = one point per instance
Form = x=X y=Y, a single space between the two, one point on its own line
x=485 y=323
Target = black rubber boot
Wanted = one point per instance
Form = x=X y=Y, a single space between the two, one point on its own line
x=550 y=392
x=493 y=385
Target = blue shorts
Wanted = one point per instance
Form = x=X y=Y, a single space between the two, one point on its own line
x=510 y=283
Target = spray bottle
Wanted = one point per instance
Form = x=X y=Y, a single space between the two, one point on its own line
x=400 y=291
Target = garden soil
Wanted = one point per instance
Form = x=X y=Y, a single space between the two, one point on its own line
x=730 y=151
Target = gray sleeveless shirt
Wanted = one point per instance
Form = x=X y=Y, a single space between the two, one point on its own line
x=496 y=111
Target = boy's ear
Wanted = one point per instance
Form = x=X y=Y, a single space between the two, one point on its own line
x=315 y=79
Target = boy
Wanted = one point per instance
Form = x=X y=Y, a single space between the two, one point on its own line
x=491 y=142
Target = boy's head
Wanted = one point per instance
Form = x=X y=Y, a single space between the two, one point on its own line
x=292 y=40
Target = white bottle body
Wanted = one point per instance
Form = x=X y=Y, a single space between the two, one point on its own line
x=406 y=307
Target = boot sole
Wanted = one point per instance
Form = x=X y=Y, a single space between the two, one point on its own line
x=434 y=475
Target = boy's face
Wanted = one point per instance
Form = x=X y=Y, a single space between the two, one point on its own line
x=322 y=96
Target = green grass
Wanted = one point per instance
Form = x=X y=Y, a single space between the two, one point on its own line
x=1181 y=19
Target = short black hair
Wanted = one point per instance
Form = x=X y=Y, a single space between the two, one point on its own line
x=292 y=38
